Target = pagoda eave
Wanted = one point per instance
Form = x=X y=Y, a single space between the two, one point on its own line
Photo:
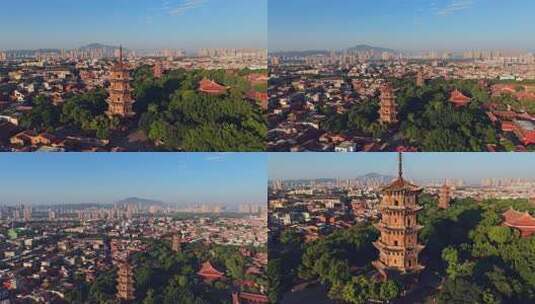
x=401 y=208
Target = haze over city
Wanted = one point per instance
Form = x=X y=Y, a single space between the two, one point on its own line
x=226 y=179
x=138 y=24
x=416 y=25
x=470 y=167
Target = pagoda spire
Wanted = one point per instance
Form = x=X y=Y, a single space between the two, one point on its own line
x=121 y=54
x=400 y=164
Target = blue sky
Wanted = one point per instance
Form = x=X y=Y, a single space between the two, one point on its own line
x=137 y=24
x=401 y=24
x=471 y=167
x=106 y=177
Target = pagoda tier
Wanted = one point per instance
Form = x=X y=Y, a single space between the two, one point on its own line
x=398 y=244
x=381 y=226
x=388 y=108
x=408 y=247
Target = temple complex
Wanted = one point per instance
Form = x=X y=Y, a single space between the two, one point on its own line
x=388 y=111
x=459 y=99
x=120 y=99
x=209 y=273
x=125 y=282
x=398 y=244
x=444 y=197
x=521 y=221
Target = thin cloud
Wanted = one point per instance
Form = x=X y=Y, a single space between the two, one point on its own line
x=455 y=6
x=178 y=8
x=220 y=156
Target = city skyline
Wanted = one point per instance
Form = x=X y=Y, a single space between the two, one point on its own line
x=416 y=25
x=228 y=179
x=470 y=167
x=139 y=25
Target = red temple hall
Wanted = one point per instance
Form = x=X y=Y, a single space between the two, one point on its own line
x=522 y=221
x=209 y=273
x=459 y=99
x=211 y=87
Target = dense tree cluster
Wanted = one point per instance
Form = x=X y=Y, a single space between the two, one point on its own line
x=175 y=115
x=329 y=260
x=427 y=119
x=476 y=259
x=170 y=110
x=163 y=276
x=494 y=265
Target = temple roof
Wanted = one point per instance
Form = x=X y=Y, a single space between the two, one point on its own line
x=401 y=184
x=458 y=98
x=518 y=219
x=208 y=270
x=207 y=85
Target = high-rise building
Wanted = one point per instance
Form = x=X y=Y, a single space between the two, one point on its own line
x=27 y=211
x=388 y=111
x=444 y=197
x=398 y=244
x=120 y=100
x=125 y=281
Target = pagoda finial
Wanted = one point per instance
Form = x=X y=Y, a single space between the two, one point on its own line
x=121 y=54
x=400 y=171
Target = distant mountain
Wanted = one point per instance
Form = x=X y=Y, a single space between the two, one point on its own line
x=356 y=49
x=94 y=46
x=375 y=178
x=140 y=201
x=299 y=53
x=369 y=48
x=367 y=178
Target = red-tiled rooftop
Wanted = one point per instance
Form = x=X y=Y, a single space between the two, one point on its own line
x=522 y=221
x=458 y=98
x=401 y=184
x=211 y=87
x=208 y=271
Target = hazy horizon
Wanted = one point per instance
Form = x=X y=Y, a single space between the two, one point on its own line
x=139 y=24
x=470 y=167
x=413 y=25
x=228 y=179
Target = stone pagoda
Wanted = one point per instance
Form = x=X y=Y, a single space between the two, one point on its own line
x=125 y=282
x=388 y=111
x=120 y=99
x=444 y=197
x=176 y=243
x=398 y=244
x=420 y=80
